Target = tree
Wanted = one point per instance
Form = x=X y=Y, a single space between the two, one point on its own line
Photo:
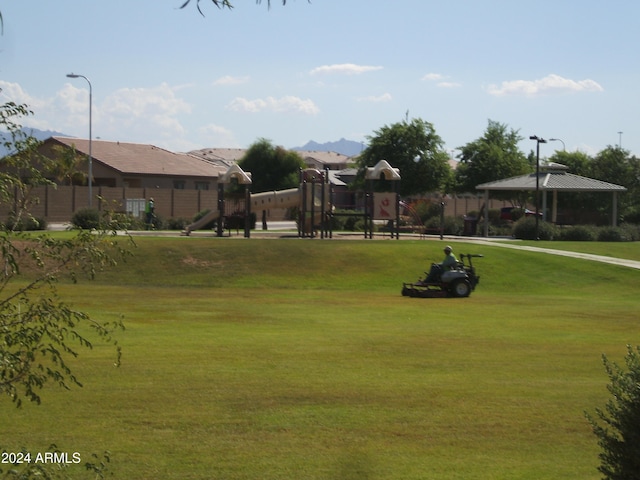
x=493 y=156
x=65 y=166
x=615 y=165
x=414 y=147
x=619 y=433
x=271 y=168
x=578 y=163
x=39 y=330
x=222 y=4
x=217 y=3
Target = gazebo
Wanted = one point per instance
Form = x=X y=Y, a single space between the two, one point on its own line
x=553 y=177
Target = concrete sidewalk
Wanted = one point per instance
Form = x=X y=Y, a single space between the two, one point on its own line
x=565 y=253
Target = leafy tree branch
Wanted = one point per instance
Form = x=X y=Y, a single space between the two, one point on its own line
x=616 y=426
x=225 y=4
x=39 y=331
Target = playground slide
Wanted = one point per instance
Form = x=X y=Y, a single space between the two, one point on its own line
x=212 y=215
x=259 y=201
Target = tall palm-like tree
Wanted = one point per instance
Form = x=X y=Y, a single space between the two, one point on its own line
x=65 y=166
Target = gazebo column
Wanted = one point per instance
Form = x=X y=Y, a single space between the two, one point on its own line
x=486 y=213
x=544 y=205
x=554 y=208
x=614 y=213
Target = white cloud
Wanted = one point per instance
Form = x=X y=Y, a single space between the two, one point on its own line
x=213 y=134
x=433 y=77
x=344 y=69
x=385 y=97
x=13 y=92
x=440 y=79
x=550 y=84
x=149 y=115
x=134 y=112
x=449 y=84
x=229 y=80
x=287 y=104
x=144 y=102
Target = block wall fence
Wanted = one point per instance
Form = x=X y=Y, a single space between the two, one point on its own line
x=58 y=204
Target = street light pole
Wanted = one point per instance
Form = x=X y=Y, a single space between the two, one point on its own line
x=564 y=149
x=538 y=142
x=90 y=181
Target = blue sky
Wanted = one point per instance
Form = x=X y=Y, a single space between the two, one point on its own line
x=564 y=69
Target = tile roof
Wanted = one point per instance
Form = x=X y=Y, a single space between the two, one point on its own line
x=553 y=178
x=142 y=159
x=220 y=156
x=229 y=156
x=326 y=158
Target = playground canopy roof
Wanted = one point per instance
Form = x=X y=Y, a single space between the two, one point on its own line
x=553 y=177
x=382 y=168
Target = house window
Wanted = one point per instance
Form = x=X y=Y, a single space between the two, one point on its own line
x=202 y=185
x=178 y=184
x=132 y=183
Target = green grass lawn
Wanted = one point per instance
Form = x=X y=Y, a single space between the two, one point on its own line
x=299 y=359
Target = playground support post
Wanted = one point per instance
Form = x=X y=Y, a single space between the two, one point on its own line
x=247 y=212
x=397 y=216
x=441 y=220
x=312 y=231
x=220 y=209
x=323 y=217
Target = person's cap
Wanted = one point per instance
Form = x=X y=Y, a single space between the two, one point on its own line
x=448 y=248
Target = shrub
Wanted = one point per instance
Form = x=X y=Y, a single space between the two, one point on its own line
x=618 y=435
x=517 y=214
x=579 y=233
x=428 y=211
x=25 y=224
x=452 y=225
x=633 y=231
x=525 y=229
x=354 y=224
x=86 y=218
x=177 y=223
x=615 y=234
x=122 y=221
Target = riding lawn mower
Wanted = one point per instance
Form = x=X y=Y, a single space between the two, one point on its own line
x=458 y=282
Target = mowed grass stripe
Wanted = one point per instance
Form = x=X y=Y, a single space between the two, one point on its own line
x=300 y=359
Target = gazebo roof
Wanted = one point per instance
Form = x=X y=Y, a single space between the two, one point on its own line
x=553 y=176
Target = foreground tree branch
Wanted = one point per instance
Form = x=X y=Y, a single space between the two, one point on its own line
x=39 y=331
x=226 y=4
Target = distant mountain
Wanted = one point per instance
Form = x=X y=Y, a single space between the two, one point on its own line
x=43 y=134
x=34 y=132
x=345 y=147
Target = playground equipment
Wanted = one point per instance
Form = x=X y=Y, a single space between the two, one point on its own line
x=459 y=282
x=312 y=197
x=382 y=205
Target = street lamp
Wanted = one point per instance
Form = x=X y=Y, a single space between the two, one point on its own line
x=538 y=142
x=73 y=75
x=559 y=140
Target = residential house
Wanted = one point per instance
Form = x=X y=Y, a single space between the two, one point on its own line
x=133 y=165
x=312 y=159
